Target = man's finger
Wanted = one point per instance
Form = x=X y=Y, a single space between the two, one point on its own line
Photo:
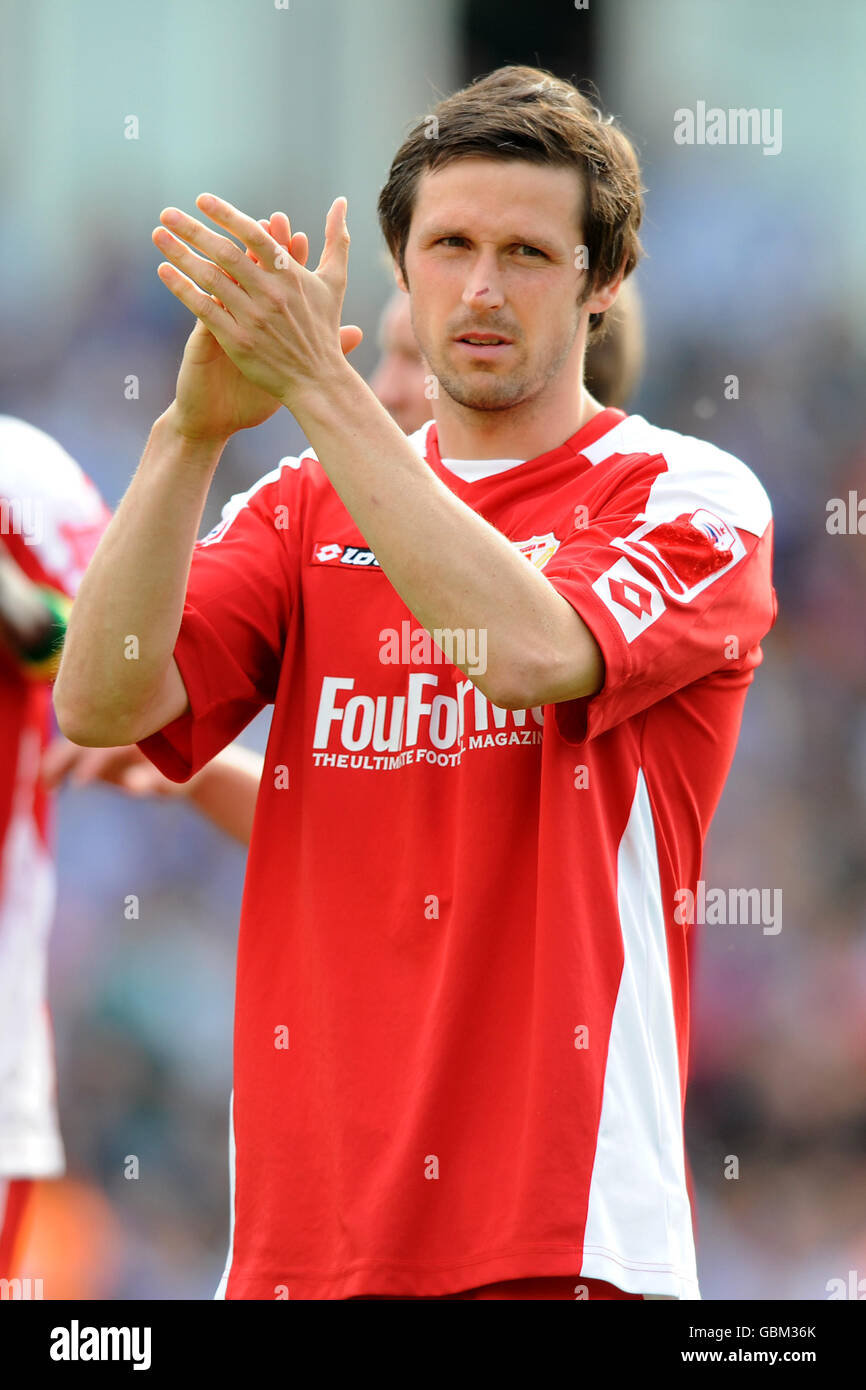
x=247 y=230
x=203 y=272
x=214 y=316
x=350 y=336
x=220 y=250
x=297 y=242
x=300 y=247
x=334 y=261
x=263 y=222
x=281 y=228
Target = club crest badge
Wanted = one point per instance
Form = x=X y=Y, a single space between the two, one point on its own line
x=538 y=549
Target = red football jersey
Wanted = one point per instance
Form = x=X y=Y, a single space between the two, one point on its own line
x=462 y=1000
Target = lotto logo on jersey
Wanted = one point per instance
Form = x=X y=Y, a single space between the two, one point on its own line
x=332 y=553
x=685 y=554
x=538 y=550
x=633 y=602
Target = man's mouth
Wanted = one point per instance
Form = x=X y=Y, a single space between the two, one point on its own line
x=483 y=344
x=484 y=339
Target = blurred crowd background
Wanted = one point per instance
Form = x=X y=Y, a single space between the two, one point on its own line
x=754 y=270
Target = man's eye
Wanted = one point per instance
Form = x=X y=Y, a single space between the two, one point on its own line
x=451 y=240
x=533 y=251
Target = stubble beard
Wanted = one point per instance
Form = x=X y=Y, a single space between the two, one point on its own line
x=480 y=389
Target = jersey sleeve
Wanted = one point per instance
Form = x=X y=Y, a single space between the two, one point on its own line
x=52 y=514
x=243 y=587
x=673 y=577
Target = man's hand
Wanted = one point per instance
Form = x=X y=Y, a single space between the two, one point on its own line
x=125 y=767
x=266 y=324
x=224 y=791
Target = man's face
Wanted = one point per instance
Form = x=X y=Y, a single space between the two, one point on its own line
x=491 y=252
x=400 y=377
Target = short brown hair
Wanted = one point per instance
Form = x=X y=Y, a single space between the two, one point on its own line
x=526 y=113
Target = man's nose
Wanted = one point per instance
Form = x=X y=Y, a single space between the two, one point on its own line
x=484 y=286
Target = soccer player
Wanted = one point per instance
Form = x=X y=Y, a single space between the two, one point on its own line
x=51 y=517
x=462 y=1001
x=226 y=788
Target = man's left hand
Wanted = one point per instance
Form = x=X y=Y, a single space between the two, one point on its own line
x=277 y=321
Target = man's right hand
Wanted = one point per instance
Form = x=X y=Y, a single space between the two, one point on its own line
x=214 y=399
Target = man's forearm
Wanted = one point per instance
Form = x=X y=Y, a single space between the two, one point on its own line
x=127 y=613
x=453 y=570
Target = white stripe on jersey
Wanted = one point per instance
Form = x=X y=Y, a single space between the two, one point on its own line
x=239 y=500
x=639 y=1232
x=30 y=1143
x=221 y=1286
x=699 y=474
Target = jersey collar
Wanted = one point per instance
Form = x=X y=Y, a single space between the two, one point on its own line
x=571 y=448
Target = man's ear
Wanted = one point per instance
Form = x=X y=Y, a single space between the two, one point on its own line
x=400 y=277
x=604 y=297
